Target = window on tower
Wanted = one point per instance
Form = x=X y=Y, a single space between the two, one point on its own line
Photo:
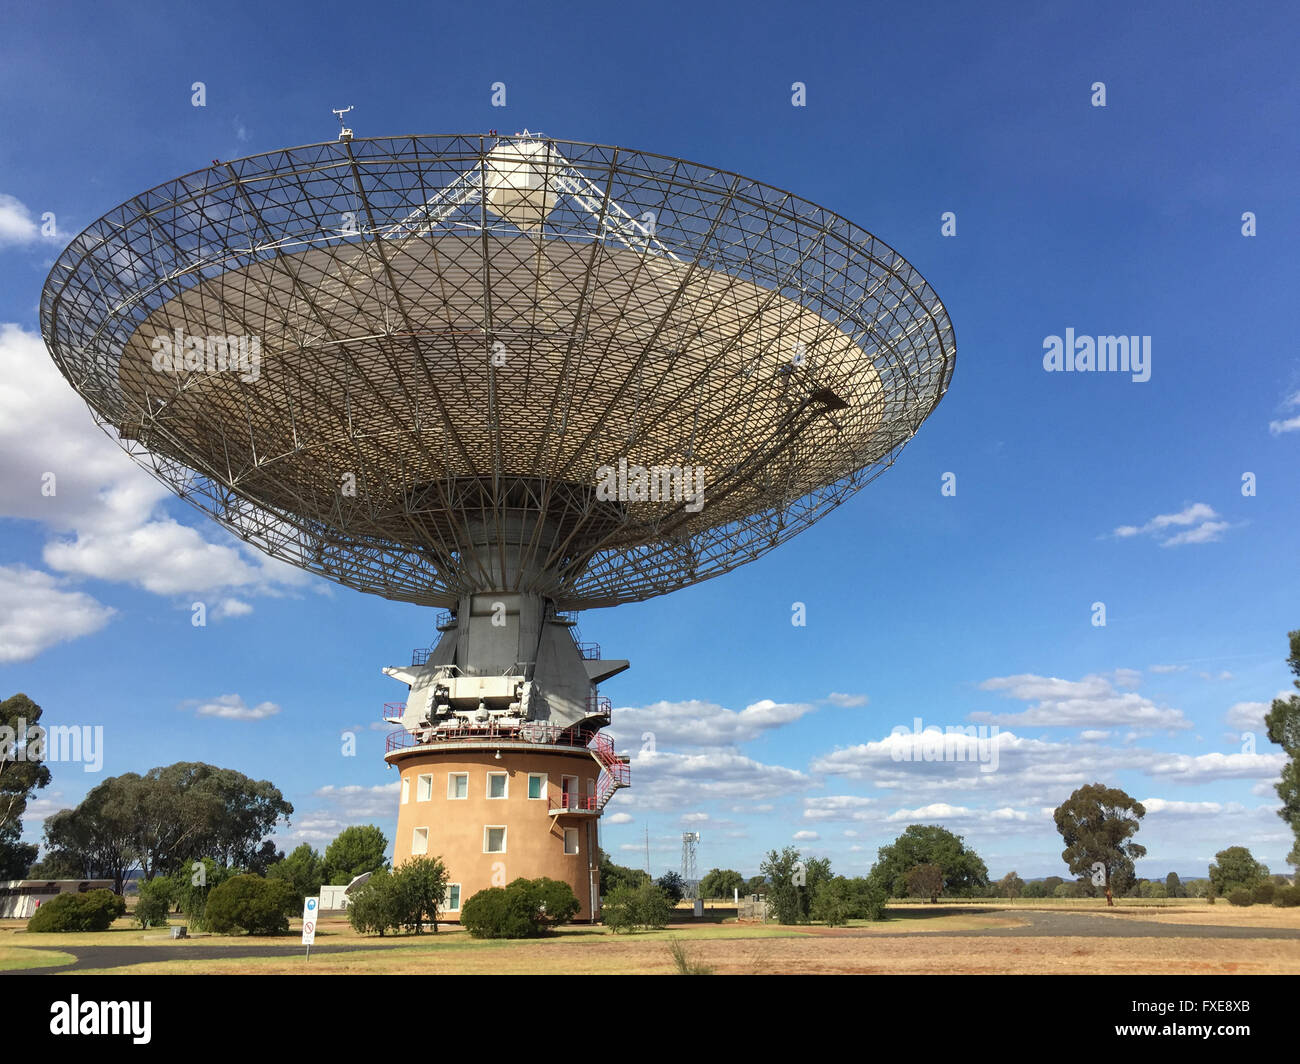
x=494 y=840
x=536 y=785
x=451 y=900
x=457 y=784
x=424 y=788
x=570 y=840
x=496 y=785
x=420 y=841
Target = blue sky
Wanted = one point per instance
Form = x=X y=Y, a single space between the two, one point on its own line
x=1123 y=219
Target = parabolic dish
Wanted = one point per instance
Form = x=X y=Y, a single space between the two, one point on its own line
x=456 y=334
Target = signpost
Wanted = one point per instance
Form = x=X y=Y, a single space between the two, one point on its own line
x=309 y=910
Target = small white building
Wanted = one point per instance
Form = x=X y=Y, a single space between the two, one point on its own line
x=20 y=898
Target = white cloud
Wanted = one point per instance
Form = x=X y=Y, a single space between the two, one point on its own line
x=17 y=226
x=1168 y=668
x=837 y=698
x=618 y=818
x=694 y=818
x=363 y=804
x=233 y=707
x=104 y=510
x=36 y=613
x=1249 y=716
x=805 y=836
x=1183 y=768
x=671 y=781
x=696 y=724
x=1085 y=703
x=1291 y=424
x=1198 y=519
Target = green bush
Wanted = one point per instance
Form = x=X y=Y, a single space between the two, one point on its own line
x=526 y=908
x=1263 y=894
x=841 y=899
x=1286 y=897
x=1241 y=896
x=155 y=901
x=375 y=907
x=630 y=908
x=193 y=884
x=251 y=904
x=93 y=911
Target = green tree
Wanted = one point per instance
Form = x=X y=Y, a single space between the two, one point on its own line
x=193 y=885
x=840 y=900
x=525 y=908
x=20 y=778
x=613 y=876
x=1283 y=723
x=1174 y=886
x=1096 y=823
x=154 y=902
x=303 y=869
x=354 y=852
x=1010 y=886
x=721 y=883
x=1236 y=867
x=787 y=885
x=672 y=884
x=422 y=884
x=376 y=907
x=629 y=908
x=964 y=874
x=1035 y=888
x=925 y=881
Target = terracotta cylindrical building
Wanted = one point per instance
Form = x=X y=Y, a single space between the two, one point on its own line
x=504 y=769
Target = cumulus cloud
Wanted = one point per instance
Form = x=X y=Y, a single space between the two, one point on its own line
x=233 y=707
x=696 y=724
x=1199 y=524
x=837 y=698
x=618 y=818
x=1249 y=716
x=805 y=836
x=1290 y=424
x=17 y=226
x=103 y=511
x=671 y=781
x=1085 y=703
x=37 y=612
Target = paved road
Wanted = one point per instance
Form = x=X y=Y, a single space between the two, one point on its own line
x=121 y=956
x=1038 y=925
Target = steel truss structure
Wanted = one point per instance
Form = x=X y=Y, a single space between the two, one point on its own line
x=460 y=336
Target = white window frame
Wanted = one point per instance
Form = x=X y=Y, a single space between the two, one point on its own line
x=451 y=796
x=575 y=793
x=577 y=843
x=505 y=790
x=406 y=789
x=446 y=899
x=415 y=839
x=424 y=787
x=494 y=827
x=537 y=776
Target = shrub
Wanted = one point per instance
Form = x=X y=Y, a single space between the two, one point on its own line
x=251 y=904
x=683 y=963
x=155 y=902
x=93 y=911
x=526 y=908
x=630 y=908
x=842 y=899
x=1240 y=896
x=193 y=884
x=375 y=907
x=1263 y=894
x=1286 y=897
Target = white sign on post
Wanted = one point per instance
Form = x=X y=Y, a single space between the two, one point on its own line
x=309 y=910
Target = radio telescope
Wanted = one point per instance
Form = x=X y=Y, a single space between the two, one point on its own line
x=511 y=377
